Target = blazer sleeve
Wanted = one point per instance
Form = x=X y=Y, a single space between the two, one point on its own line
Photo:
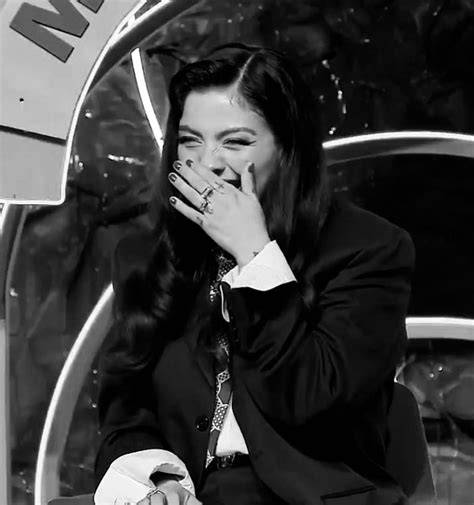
x=295 y=364
x=126 y=419
x=125 y=400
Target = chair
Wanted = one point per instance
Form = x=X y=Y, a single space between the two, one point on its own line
x=407 y=452
x=438 y=336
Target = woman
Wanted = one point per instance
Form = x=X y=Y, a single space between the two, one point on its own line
x=258 y=326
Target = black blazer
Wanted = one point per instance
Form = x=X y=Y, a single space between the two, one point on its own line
x=311 y=391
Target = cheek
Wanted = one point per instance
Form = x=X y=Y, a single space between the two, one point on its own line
x=265 y=163
x=182 y=153
x=186 y=153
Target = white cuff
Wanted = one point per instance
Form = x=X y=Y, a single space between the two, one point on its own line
x=268 y=269
x=128 y=477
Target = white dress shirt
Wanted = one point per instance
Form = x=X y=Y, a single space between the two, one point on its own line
x=128 y=477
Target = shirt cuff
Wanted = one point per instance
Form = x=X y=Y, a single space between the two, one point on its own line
x=268 y=269
x=128 y=477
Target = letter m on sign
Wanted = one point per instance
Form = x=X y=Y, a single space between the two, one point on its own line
x=33 y=22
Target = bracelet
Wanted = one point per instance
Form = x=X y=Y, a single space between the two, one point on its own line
x=156 y=491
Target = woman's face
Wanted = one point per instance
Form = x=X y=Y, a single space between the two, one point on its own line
x=219 y=130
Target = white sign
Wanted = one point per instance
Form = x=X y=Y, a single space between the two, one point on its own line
x=49 y=51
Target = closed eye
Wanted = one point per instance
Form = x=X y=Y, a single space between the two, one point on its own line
x=187 y=140
x=236 y=141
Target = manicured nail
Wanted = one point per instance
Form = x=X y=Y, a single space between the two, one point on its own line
x=172 y=177
x=173 y=200
x=177 y=165
x=189 y=163
x=252 y=168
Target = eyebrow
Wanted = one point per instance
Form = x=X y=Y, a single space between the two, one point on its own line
x=222 y=134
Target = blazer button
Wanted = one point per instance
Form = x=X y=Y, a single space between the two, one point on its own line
x=202 y=423
x=233 y=328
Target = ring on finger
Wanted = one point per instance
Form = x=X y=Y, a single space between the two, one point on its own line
x=204 y=205
x=207 y=191
x=156 y=491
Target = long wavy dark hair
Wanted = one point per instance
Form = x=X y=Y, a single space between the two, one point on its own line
x=150 y=305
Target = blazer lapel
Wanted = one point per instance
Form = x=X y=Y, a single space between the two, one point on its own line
x=204 y=361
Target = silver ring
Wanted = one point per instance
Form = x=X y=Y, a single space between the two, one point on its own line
x=156 y=491
x=207 y=191
x=203 y=205
x=206 y=207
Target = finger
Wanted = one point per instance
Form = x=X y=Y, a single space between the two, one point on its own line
x=217 y=182
x=188 y=172
x=187 y=211
x=248 y=179
x=159 y=499
x=186 y=190
x=172 y=498
x=191 y=500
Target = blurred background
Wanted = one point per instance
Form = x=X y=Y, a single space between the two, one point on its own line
x=375 y=66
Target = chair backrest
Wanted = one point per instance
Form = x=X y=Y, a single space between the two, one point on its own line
x=407 y=453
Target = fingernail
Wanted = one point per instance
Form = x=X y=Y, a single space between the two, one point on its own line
x=252 y=168
x=173 y=200
x=189 y=163
x=177 y=165
x=172 y=177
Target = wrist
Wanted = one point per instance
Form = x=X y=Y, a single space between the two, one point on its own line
x=250 y=253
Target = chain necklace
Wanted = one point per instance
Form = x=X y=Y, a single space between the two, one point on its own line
x=225 y=263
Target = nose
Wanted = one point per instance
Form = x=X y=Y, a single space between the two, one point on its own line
x=210 y=158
